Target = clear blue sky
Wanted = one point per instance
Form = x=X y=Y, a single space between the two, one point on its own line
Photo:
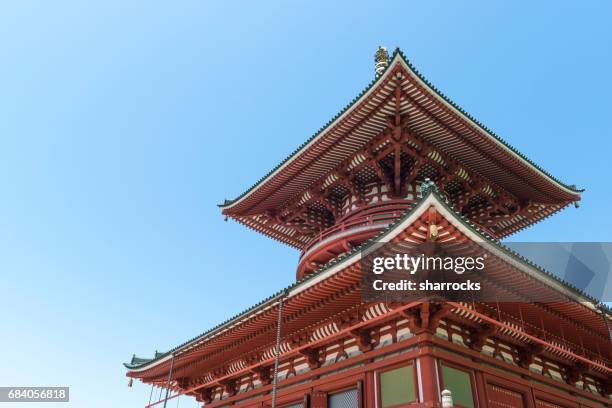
x=123 y=124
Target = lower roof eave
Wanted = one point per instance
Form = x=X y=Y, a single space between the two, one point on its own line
x=432 y=198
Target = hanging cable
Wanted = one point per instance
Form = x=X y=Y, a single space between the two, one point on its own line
x=151 y=394
x=168 y=383
x=277 y=349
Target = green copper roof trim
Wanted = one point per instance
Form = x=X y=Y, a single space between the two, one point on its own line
x=428 y=188
x=399 y=53
x=139 y=361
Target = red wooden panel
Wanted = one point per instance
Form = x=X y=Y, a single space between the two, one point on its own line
x=499 y=397
x=318 y=399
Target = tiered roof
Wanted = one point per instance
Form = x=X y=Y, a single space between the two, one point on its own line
x=459 y=144
x=437 y=120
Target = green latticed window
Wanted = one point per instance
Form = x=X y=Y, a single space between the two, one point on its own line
x=397 y=386
x=460 y=384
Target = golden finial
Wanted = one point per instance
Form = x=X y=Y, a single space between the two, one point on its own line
x=381 y=59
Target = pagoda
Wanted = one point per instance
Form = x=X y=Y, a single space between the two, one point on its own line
x=400 y=163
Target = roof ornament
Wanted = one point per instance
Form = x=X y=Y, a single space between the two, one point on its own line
x=381 y=59
x=428 y=185
x=433 y=232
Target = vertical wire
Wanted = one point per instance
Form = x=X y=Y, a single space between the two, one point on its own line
x=168 y=383
x=277 y=350
x=151 y=394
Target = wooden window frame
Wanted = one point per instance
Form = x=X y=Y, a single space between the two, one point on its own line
x=470 y=373
x=415 y=383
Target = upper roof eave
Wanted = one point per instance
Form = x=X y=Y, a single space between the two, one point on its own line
x=399 y=58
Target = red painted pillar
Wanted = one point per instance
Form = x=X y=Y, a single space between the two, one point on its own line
x=481 y=390
x=428 y=378
x=360 y=399
x=530 y=397
x=369 y=392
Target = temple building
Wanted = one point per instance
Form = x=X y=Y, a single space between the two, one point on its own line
x=401 y=163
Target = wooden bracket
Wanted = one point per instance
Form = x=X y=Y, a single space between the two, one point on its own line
x=312 y=357
x=427 y=317
x=348 y=319
x=479 y=337
x=263 y=375
x=572 y=374
x=526 y=355
x=229 y=387
x=363 y=339
x=204 y=395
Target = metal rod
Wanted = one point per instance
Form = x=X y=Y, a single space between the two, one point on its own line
x=277 y=351
x=169 y=378
x=151 y=394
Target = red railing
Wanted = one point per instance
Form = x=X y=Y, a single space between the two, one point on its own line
x=370 y=219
